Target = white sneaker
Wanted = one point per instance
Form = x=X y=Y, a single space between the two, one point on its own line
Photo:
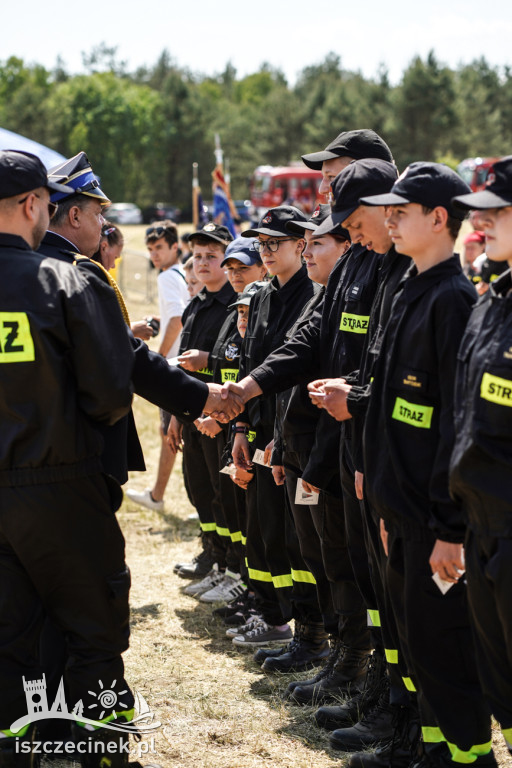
x=145 y=499
x=210 y=580
x=228 y=589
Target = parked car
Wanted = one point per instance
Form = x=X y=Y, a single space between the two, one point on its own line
x=124 y=213
x=161 y=211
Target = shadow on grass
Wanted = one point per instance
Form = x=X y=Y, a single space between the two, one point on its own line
x=144 y=612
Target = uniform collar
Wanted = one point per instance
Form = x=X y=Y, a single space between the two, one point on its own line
x=58 y=241
x=223 y=296
x=290 y=284
x=500 y=287
x=414 y=284
x=13 y=241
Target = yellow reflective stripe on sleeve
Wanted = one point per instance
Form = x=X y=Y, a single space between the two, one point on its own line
x=251 y=436
x=413 y=414
x=373 y=618
x=16 y=343
x=496 y=390
x=409 y=684
x=205 y=371
x=222 y=531
x=432 y=734
x=354 y=323
x=236 y=536
x=304 y=576
x=207 y=527
x=391 y=655
x=282 y=581
x=228 y=374
x=259 y=575
x=464 y=757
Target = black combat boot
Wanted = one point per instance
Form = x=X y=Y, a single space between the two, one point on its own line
x=350 y=712
x=402 y=749
x=345 y=678
x=16 y=751
x=335 y=648
x=102 y=748
x=376 y=727
x=311 y=648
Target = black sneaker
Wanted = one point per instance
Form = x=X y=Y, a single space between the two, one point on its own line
x=200 y=566
x=239 y=603
x=308 y=649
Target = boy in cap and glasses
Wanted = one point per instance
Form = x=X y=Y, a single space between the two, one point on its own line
x=408 y=438
x=481 y=476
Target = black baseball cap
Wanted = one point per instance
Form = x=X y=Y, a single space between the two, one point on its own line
x=274 y=222
x=428 y=184
x=356 y=144
x=359 y=178
x=319 y=215
x=242 y=250
x=498 y=191
x=248 y=293
x=22 y=172
x=213 y=231
x=77 y=174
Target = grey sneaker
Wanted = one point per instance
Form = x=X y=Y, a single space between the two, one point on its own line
x=228 y=589
x=210 y=580
x=241 y=630
x=263 y=633
x=145 y=499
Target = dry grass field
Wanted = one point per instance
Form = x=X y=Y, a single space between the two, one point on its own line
x=216 y=707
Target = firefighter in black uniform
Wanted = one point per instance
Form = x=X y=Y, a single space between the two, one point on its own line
x=408 y=438
x=62 y=549
x=481 y=464
x=273 y=309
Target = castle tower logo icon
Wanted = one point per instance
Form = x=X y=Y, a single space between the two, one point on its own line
x=107 y=702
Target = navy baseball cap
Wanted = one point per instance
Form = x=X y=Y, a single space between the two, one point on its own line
x=356 y=144
x=428 y=184
x=77 y=173
x=358 y=179
x=242 y=250
x=213 y=231
x=22 y=172
x=319 y=215
x=274 y=222
x=497 y=192
x=248 y=293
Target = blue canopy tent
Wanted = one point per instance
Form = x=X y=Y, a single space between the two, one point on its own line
x=10 y=140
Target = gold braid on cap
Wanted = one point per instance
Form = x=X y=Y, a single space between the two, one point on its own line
x=112 y=283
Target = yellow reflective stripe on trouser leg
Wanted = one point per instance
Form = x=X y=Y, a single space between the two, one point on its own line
x=507 y=735
x=466 y=757
x=18 y=734
x=207 y=527
x=391 y=655
x=303 y=576
x=258 y=575
x=373 y=618
x=236 y=536
x=432 y=735
x=409 y=684
x=222 y=531
x=244 y=541
x=282 y=581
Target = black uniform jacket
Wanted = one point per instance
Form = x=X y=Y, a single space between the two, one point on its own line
x=153 y=379
x=272 y=311
x=202 y=321
x=296 y=416
x=391 y=271
x=481 y=465
x=409 y=429
x=60 y=373
x=225 y=355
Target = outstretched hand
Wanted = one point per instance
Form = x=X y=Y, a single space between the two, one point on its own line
x=222 y=405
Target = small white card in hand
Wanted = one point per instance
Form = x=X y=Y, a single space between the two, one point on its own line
x=259 y=457
x=228 y=470
x=173 y=361
x=305 y=497
x=442 y=584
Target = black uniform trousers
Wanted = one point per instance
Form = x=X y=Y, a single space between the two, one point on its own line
x=232 y=499
x=489 y=576
x=358 y=547
x=62 y=556
x=323 y=544
x=435 y=635
x=202 y=481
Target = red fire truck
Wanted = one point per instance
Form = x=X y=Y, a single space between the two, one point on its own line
x=474 y=171
x=280 y=185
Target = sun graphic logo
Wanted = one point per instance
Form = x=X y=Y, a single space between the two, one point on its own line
x=107 y=700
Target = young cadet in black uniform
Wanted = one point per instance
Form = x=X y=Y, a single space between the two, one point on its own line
x=408 y=439
x=294 y=434
x=332 y=342
x=60 y=375
x=273 y=309
x=481 y=464
x=243 y=266
x=202 y=320
x=378 y=713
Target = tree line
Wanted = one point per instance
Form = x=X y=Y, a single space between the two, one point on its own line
x=143 y=130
